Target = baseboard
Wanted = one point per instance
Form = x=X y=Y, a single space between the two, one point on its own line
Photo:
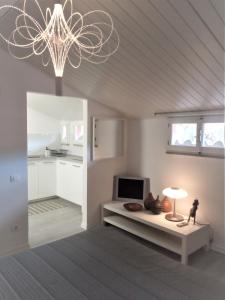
x=218 y=248
x=16 y=250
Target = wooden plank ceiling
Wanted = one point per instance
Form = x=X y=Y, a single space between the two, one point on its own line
x=171 y=57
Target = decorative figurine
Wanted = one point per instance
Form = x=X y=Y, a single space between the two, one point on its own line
x=148 y=201
x=152 y=204
x=193 y=210
x=155 y=206
x=166 y=205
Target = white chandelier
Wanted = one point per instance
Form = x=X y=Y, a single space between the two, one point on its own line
x=90 y=37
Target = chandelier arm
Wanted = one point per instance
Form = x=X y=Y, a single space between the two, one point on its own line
x=71 y=5
x=99 y=62
x=89 y=51
x=71 y=9
x=95 y=25
x=15 y=44
x=36 y=50
x=103 y=55
x=63 y=37
x=24 y=26
x=45 y=64
x=89 y=47
x=25 y=17
x=48 y=13
x=9 y=46
x=98 y=34
x=28 y=16
x=112 y=51
x=21 y=34
x=82 y=50
x=80 y=19
x=79 y=55
x=38 y=5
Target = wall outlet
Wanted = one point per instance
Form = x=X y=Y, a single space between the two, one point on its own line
x=14 y=178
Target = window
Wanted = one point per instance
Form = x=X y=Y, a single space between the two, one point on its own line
x=184 y=134
x=197 y=135
x=65 y=133
x=213 y=135
x=78 y=133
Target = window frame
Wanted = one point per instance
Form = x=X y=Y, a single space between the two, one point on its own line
x=211 y=150
x=178 y=148
x=197 y=150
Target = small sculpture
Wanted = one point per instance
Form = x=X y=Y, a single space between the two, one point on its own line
x=155 y=206
x=166 y=205
x=193 y=210
x=148 y=201
x=152 y=204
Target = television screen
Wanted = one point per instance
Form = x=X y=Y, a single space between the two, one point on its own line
x=130 y=188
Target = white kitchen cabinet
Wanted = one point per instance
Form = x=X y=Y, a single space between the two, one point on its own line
x=32 y=181
x=70 y=181
x=47 y=179
x=76 y=183
x=63 y=179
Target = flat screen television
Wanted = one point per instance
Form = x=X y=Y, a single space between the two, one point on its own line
x=128 y=188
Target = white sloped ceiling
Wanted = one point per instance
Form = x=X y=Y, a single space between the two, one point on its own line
x=171 y=56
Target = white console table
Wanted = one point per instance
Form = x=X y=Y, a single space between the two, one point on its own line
x=156 y=229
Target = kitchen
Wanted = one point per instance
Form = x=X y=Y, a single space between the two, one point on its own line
x=56 y=174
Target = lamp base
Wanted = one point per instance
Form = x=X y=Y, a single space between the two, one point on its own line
x=174 y=217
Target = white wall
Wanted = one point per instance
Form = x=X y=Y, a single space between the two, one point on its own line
x=45 y=112
x=100 y=173
x=17 y=78
x=203 y=178
x=43 y=131
x=40 y=123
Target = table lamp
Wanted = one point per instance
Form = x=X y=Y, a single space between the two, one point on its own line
x=174 y=193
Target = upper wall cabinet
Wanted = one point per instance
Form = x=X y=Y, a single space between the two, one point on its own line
x=108 y=138
x=65 y=133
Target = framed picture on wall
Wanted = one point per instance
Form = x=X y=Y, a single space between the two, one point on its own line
x=78 y=133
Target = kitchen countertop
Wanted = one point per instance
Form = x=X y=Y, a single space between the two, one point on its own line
x=69 y=158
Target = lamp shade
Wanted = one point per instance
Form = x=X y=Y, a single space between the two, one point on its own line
x=175 y=193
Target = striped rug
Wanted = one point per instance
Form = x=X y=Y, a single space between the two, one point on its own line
x=40 y=207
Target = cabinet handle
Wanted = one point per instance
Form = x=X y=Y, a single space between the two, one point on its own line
x=61 y=163
x=31 y=164
x=75 y=166
x=48 y=162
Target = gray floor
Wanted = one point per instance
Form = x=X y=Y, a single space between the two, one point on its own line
x=102 y=264
x=65 y=221
x=53 y=220
x=209 y=262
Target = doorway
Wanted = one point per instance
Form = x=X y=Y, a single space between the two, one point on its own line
x=57 y=167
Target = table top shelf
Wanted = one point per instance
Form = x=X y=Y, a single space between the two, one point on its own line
x=155 y=221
